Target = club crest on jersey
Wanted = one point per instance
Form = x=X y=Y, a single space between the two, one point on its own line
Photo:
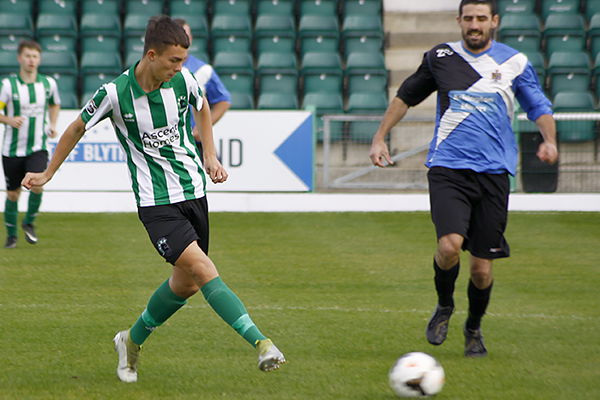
x=182 y=102
x=443 y=52
x=496 y=76
x=91 y=107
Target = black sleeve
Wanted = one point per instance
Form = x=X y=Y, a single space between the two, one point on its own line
x=419 y=85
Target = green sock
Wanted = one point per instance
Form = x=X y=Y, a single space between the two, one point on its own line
x=11 y=210
x=35 y=199
x=231 y=309
x=162 y=304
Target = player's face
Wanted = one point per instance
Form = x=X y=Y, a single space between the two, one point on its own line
x=168 y=63
x=29 y=60
x=477 y=25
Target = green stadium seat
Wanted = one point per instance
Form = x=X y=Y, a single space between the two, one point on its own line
x=66 y=82
x=318 y=7
x=594 y=35
x=95 y=62
x=564 y=32
x=277 y=73
x=133 y=48
x=549 y=7
x=575 y=131
x=198 y=25
x=147 y=8
x=321 y=72
x=569 y=71
x=135 y=25
x=274 y=33
x=516 y=6
x=58 y=42
x=8 y=62
x=239 y=82
x=67 y=8
x=190 y=8
x=231 y=33
x=596 y=74
x=55 y=24
x=318 y=34
x=100 y=24
x=23 y=7
x=101 y=43
x=103 y=7
x=591 y=8
x=199 y=50
x=365 y=103
x=362 y=131
x=68 y=99
x=277 y=101
x=536 y=59
x=16 y=24
x=241 y=101
x=362 y=7
x=62 y=62
x=275 y=7
x=366 y=72
x=11 y=42
x=233 y=62
x=362 y=34
x=232 y=7
x=91 y=82
x=325 y=103
x=521 y=31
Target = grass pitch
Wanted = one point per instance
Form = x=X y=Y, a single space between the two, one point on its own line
x=342 y=294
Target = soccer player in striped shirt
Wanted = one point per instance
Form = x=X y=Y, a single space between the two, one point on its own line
x=31 y=104
x=148 y=106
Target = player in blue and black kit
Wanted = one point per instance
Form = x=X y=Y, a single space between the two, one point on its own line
x=472 y=152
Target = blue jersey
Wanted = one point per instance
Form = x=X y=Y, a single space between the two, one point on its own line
x=208 y=80
x=475 y=104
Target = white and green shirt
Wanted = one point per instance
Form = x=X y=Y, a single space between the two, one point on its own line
x=154 y=130
x=28 y=100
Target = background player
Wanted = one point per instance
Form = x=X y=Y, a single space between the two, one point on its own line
x=472 y=152
x=31 y=104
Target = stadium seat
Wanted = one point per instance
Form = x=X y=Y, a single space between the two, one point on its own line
x=232 y=7
x=318 y=34
x=325 y=103
x=318 y=7
x=536 y=59
x=277 y=73
x=362 y=7
x=55 y=24
x=100 y=24
x=521 y=31
x=241 y=101
x=8 y=62
x=575 y=131
x=568 y=71
x=231 y=33
x=91 y=82
x=62 y=62
x=275 y=7
x=275 y=33
x=22 y=7
x=233 y=62
x=366 y=72
x=241 y=83
x=594 y=35
x=198 y=25
x=596 y=74
x=94 y=62
x=135 y=25
x=564 y=32
x=147 y=8
x=102 y=7
x=190 y=8
x=362 y=34
x=66 y=82
x=58 y=42
x=277 y=101
x=365 y=103
x=322 y=72
x=107 y=44
x=67 y=8
x=68 y=99
x=133 y=48
x=16 y=24
x=549 y=7
x=591 y=8
x=11 y=42
x=516 y=6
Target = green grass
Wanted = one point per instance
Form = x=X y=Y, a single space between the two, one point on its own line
x=342 y=294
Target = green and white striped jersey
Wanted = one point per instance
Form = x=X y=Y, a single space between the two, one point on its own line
x=154 y=131
x=28 y=100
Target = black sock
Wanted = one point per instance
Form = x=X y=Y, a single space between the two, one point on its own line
x=478 y=302
x=444 y=284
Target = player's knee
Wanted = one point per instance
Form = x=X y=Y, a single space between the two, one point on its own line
x=13 y=195
x=481 y=277
x=448 y=248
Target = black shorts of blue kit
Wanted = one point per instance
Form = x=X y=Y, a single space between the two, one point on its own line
x=15 y=168
x=172 y=227
x=473 y=205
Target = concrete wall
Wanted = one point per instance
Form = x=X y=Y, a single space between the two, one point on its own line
x=420 y=6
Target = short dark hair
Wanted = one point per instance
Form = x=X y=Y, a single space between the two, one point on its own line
x=28 y=44
x=491 y=3
x=163 y=31
x=180 y=21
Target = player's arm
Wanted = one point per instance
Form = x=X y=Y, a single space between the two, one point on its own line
x=67 y=142
x=547 y=151
x=379 y=153
x=205 y=135
x=53 y=110
x=14 y=122
x=217 y=110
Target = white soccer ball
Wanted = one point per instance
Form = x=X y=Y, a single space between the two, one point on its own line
x=416 y=375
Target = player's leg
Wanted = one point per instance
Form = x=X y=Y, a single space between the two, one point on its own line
x=478 y=291
x=14 y=171
x=450 y=213
x=36 y=162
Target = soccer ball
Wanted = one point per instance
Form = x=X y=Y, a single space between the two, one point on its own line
x=416 y=375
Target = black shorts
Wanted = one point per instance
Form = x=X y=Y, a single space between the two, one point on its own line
x=474 y=205
x=173 y=227
x=15 y=168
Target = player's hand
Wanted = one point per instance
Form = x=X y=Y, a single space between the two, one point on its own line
x=380 y=155
x=16 y=122
x=547 y=152
x=215 y=170
x=52 y=133
x=34 y=179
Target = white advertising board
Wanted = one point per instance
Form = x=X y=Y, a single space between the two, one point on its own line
x=261 y=150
